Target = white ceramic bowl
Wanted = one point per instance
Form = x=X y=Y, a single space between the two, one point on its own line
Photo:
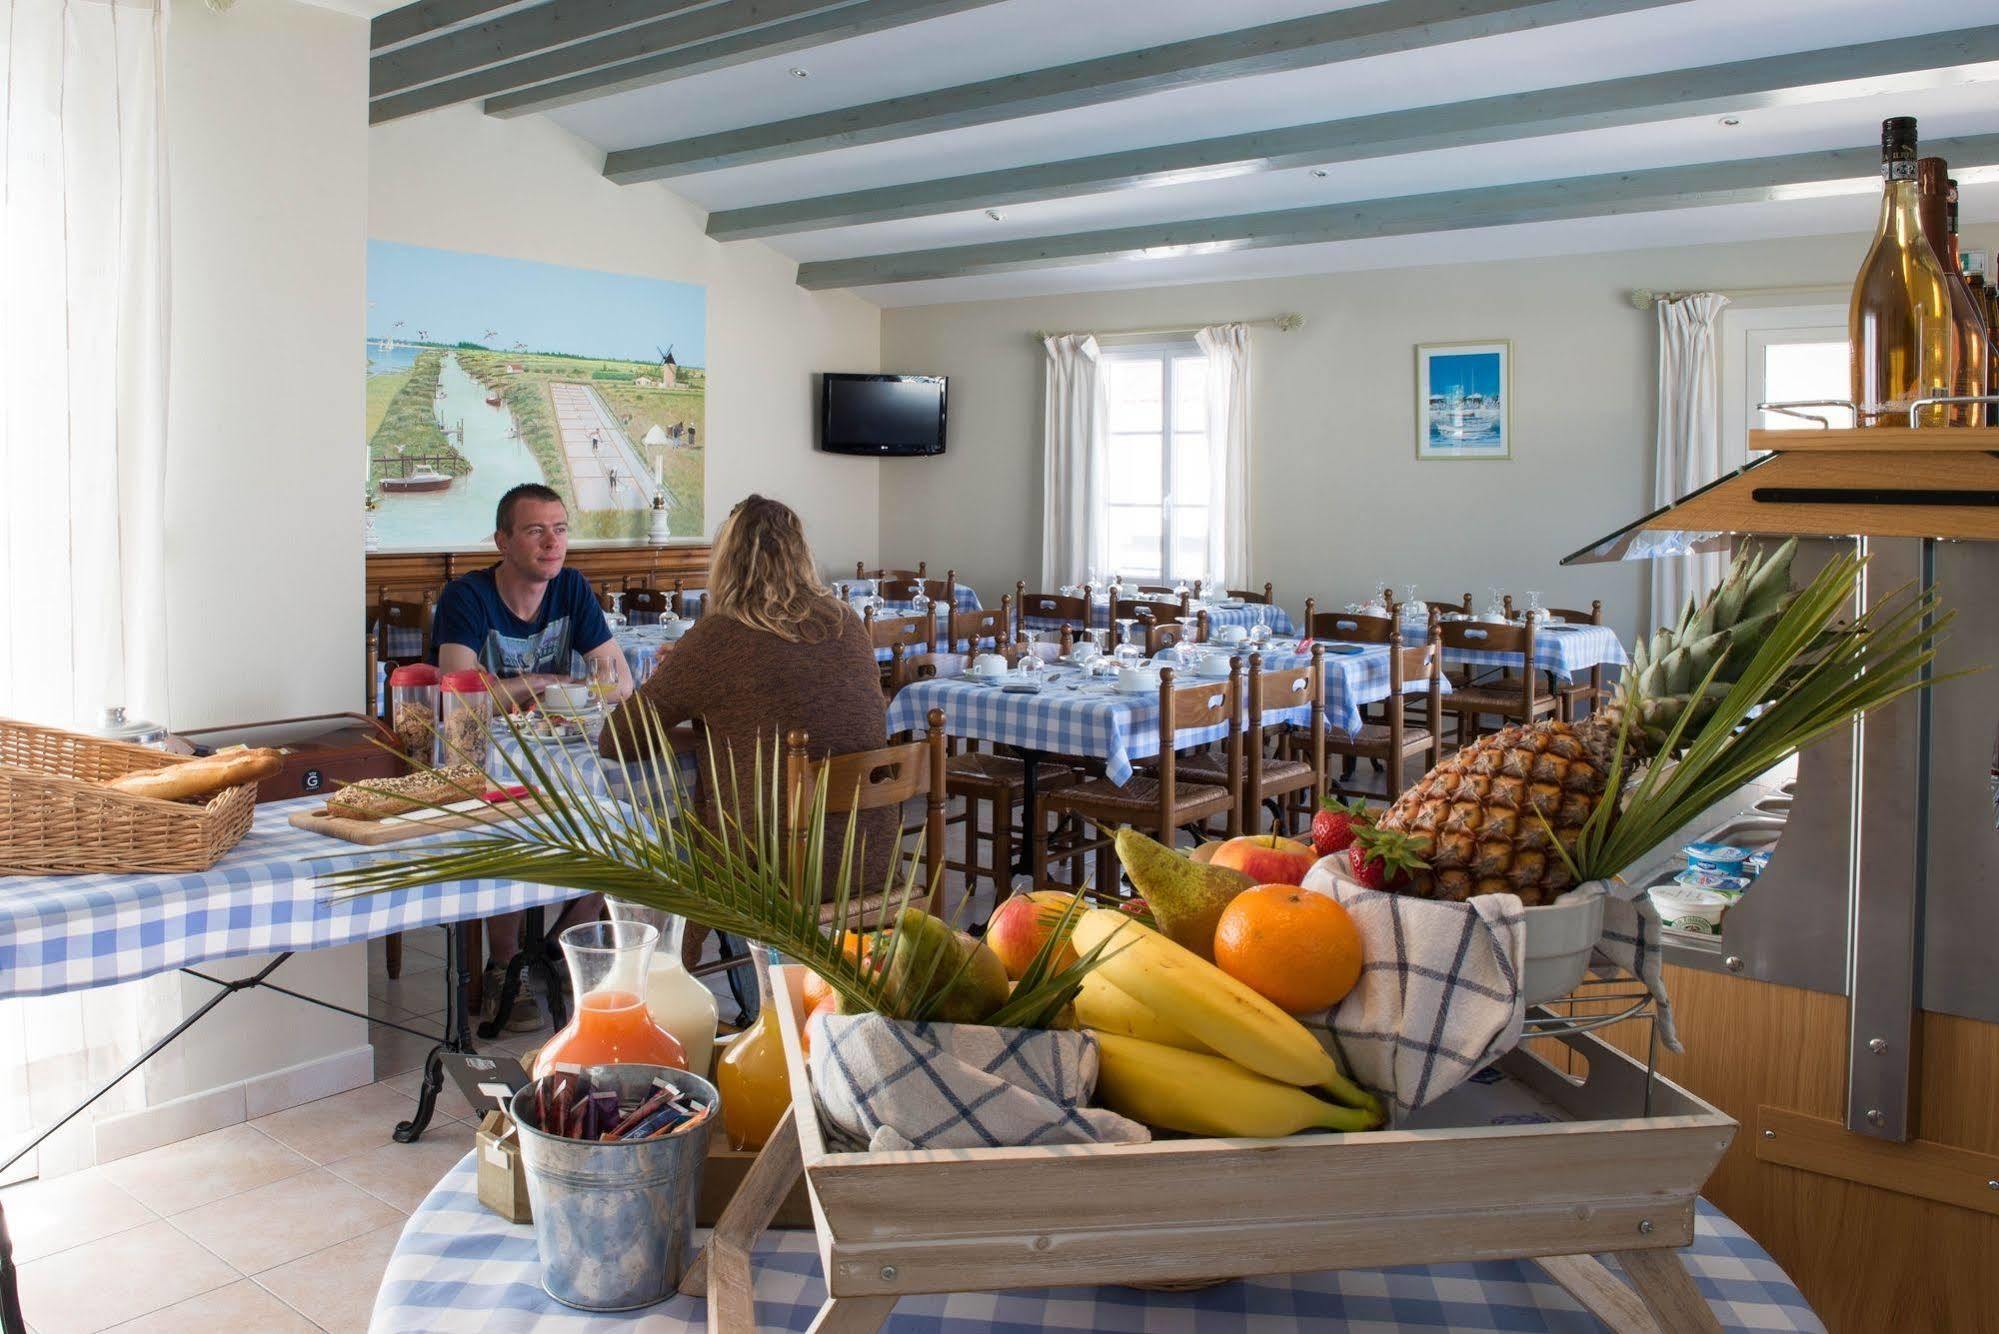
x=565 y=699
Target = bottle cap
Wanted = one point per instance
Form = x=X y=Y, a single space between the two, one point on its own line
x=414 y=674
x=1899 y=132
x=465 y=683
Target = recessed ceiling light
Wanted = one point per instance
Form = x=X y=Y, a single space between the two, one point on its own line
x=994 y=214
x=800 y=72
x=1320 y=172
x=1731 y=121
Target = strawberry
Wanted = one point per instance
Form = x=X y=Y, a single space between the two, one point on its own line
x=1382 y=858
x=1334 y=824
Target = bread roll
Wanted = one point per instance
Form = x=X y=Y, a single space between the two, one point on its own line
x=380 y=798
x=202 y=777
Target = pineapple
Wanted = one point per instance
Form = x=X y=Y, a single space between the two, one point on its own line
x=1473 y=819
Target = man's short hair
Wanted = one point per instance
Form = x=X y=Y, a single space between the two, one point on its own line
x=503 y=520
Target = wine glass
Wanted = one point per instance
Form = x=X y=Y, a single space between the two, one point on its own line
x=1413 y=606
x=1030 y=665
x=615 y=617
x=602 y=676
x=1125 y=625
x=1180 y=589
x=1259 y=627
x=920 y=603
x=1536 y=613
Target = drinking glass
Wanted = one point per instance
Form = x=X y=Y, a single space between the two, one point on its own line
x=1535 y=611
x=615 y=617
x=1125 y=624
x=1129 y=654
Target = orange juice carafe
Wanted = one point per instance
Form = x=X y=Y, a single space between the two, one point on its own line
x=750 y=1074
x=608 y=962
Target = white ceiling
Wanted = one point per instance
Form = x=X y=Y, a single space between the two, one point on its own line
x=1019 y=35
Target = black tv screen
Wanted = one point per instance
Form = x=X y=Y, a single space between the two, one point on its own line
x=881 y=414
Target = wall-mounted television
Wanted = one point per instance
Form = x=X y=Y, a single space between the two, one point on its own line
x=881 y=414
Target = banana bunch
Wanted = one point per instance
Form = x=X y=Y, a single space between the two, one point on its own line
x=1186 y=1047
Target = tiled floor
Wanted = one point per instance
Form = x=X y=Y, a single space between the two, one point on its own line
x=280 y=1224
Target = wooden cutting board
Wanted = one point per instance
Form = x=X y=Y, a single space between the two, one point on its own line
x=371 y=833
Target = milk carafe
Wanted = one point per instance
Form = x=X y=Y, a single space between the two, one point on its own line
x=675 y=998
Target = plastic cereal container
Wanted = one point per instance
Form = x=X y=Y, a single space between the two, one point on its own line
x=413 y=709
x=465 y=719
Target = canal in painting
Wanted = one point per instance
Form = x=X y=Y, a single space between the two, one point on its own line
x=462 y=514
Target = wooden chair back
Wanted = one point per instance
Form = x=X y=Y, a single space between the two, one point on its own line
x=1248 y=595
x=1151 y=588
x=1479 y=637
x=1420 y=662
x=861 y=571
x=1348 y=627
x=647 y=606
x=1049 y=606
x=907 y=630
x=1186 y=708
x=908 y=668
x=1278 y=691
x=973 y=629
x=865 y=781
x=1575 y=616
x=399 y=619
x=1160 y=636
x=943 y=592
x=1148 y=610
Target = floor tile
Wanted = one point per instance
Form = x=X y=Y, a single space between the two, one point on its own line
x=118 y=1278
x=240 y=1306
x=450 y=1102
x=397 y=1051
x=44 y=1217
x=402 y=1174
x=208 y=1167
x=417 y=989
x=278 y=1223
x=337 y=1127
x=335 y=1288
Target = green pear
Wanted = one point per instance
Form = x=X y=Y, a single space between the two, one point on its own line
x=1186 y=897
x=928 y=953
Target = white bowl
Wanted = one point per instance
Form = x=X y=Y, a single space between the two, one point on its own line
x=565 y=699
x=674 y=629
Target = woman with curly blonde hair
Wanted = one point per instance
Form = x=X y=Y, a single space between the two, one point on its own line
x=775 y=649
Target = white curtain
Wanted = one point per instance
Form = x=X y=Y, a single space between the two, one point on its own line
x=83 y=358
x=1077 y=410
x=1690 y=445
x=1227 y=349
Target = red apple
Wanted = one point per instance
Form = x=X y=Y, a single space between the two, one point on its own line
x=1019 y=926
x=1268 y=859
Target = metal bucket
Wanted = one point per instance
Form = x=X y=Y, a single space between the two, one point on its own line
x=614 y=1221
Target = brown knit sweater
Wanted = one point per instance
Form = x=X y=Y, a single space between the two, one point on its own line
x=748 y=688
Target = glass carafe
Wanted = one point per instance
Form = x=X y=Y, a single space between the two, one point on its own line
x=608 y=964
x=751 y=1075
x=675 y=998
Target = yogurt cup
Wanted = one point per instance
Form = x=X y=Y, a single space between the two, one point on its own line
x=1690 y=909
x=1721 y=858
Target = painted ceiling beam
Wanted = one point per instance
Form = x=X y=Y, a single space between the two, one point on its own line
x=519 y=34
x=1315 y=40
x=426 y=18
x=1902 y=65
x=1751 y=180
x=636 y=60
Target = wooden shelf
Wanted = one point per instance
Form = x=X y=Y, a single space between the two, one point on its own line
x=1879 y=440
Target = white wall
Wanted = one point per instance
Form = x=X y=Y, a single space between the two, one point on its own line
x=527 y=189
x=1339 y=499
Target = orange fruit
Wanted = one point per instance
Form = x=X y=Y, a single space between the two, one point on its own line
x=827 y=1004
x=1297 y=949
x=816 y=988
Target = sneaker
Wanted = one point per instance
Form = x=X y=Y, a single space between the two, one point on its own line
x=526 y=1015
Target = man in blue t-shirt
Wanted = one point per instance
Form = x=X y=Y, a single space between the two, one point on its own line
x=519 y=621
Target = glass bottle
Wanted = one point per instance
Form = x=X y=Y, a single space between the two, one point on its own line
x=1933 y=195
x=751 y=1075
x=675 y=998
x=608 y=963
x=1978 y=332
x=1899 y=319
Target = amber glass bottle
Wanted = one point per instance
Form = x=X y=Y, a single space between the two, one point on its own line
x=1986 y=356
x=1933 y=193
x=1899 y=321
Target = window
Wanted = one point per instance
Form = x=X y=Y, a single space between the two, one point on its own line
x=1155 y=496
x=1780 y=354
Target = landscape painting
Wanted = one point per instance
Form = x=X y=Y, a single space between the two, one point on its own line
x=1463 y=401
x=486 y=372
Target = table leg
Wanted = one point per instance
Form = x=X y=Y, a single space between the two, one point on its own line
x=852 y=1315
x=11 y=1320
x=1668 y=1292
x=721 y=1272
x=457 y=1036
x=1599 y=1292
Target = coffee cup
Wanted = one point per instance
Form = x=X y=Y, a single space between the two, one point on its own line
x=989 y=664
x=1137 y=678
x=1229 y=634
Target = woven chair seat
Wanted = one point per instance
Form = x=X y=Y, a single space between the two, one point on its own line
x=1141 y=796
x=1489 y=699
x=988 y=774
x=1373 y=739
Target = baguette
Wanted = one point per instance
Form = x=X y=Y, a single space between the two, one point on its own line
x=381 y=798
x=202 y=777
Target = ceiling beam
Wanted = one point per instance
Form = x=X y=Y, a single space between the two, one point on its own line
x=1897 y=66
x=627 y=64
x=426 y=18
x=524 y=32
x=1318 y=39
x=1751 y=180
x=712 y=36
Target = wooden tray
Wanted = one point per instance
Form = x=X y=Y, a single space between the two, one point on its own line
x=372 y=833
x=1186 y=1210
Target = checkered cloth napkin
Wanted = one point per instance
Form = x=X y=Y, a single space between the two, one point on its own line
x=884 y=1085
x=1439 y=995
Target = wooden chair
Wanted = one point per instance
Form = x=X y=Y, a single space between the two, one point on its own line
x=972 y=630
x=1246 y=595
x=1514 y=699
x=865 y=781
x=399 y=626
x=1072 y=611
x=1167 y=633
x=943 y=592
x=1391 y=743
x=645 y=605
x=1147 y=612
x=909 y=630
x=1159 y=801
x=1274 y=777
x=861 y=571
x=1348 y=627
x=1592 y=693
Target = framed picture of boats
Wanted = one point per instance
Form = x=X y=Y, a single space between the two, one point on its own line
x=1464 y=399
x=485 y=372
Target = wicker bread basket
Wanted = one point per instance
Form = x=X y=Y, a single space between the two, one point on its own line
x=56 y=819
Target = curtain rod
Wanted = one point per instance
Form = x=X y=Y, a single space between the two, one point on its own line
x=1282 y=323
x=1641 y=297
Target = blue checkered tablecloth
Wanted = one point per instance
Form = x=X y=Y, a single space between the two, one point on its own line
x=1568 y=651
x=70 y=932
x=1246 y=615
x=1096 y=721
x=459 y=1268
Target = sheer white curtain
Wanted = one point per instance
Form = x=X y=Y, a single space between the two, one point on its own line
x=83 y=358
x=1691 y=449
x=1075 y=424
x=1227 y=349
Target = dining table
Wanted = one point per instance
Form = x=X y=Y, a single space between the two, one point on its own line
x=1226 y=612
